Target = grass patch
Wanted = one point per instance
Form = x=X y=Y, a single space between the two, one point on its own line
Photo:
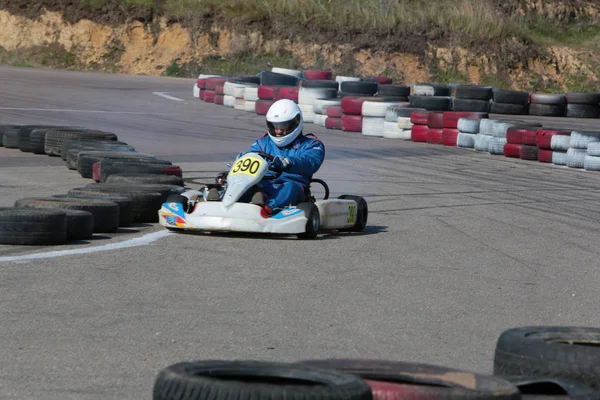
x=247 y=63
x=584 y=34
x=53 y=56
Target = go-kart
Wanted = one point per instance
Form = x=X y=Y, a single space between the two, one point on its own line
x=195 y=210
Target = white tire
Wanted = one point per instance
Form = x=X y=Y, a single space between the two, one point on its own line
x=373 y=126
x=575 y=158
x=228 y=101
x=285 y=71
x=466 y=140
x=468 y=125
x=377 y=108
x=196 y=91
x=308 y=95
x=482 y=142
x=238 y=103
x=249 y=106
x=581 y=139
x=559 y=157
x=251 y=93
x=591 y=163
x=307 y=112
x=404 y=123
x=496 y=146
x=320 y=105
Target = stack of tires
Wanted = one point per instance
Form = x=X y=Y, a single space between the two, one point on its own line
x=397 y=123
x=431 y=96
x=578 y=144
x=354 y=94
x=547 y=105
x=200 y=85
x=435 y=127
x=334 y=117
x=472 y=98
x=468 y=128
x=374 y=115
x=210 y=86
x=521 y=142
x=510 y=102
x=553 y=145
x=583 y=105
x=323 y=91
x=419 y=129
x=450 y=120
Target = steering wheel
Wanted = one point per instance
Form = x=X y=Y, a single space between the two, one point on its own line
x=270 y=175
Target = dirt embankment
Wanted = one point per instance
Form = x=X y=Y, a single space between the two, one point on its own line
x=140 y=40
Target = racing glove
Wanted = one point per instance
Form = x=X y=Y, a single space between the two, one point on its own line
x=280 y=164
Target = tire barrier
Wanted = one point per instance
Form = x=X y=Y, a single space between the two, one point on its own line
x=132 y=187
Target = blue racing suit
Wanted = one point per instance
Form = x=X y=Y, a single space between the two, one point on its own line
x=306 y=154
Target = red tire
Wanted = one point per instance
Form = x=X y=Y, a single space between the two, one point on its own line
x=219 y=89
x=334 y=111
x=419 y=117
x=202 y=92
x=528 y=152
x=382 y=80
x=266 y=92
x=352 y=105
x=435 y=120
x=219 y=99
x=514 y=136
x=352 y=123
x=333 y=123
x=512 y=150
x=209 y=96
x=450 y=118
x=418 y=133
x=290 y=93
x=261 y=107
x=529 y=137
x=544 y=137
x=434 y=136
x=312 y=75
x=449 y=136
x=201 y=83
x=545 y=155
x=213 y=82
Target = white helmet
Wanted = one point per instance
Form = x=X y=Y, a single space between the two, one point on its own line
x=284 y=114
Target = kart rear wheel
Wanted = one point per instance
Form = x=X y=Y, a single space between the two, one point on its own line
x=362 y=213
x=313 y=223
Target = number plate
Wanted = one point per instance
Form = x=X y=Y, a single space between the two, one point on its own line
x=246 y=165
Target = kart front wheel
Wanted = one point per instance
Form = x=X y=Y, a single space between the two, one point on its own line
x=362 y=213
x=313 y=223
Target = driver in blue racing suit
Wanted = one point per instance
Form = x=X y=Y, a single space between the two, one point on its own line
x=297 y=157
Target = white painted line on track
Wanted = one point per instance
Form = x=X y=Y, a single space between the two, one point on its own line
x=140 y=241
x=82 y=111
x=166 y=96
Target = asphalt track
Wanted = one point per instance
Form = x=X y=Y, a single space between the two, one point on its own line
x=460 y=246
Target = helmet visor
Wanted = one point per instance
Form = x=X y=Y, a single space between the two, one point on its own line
x=284 y=128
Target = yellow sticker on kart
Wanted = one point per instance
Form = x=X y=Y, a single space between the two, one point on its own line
x=247 y=165
x=351 y=214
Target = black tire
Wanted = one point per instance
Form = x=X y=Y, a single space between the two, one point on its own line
x=473 y=92
x=470 y=105
x=87 y=159
x=547 y=110
x=314 y=221
x=145 y=178
x=55 y=137
x=536 y=388
x=359 y=88
x=10 y=139
x=140 y=168
x=509 y=109
x=256 y=380
x=244 y=79
x=362 y=213
x=424 y=381
x=145 y=204
x=404 y=112
x=352 y=94
x=4 y=128
x=80 y=224
x=71 y=156
x=126 y=205
x=37 y=141
x=510 y=97
x=431 y=103
x=85 y=143
x=583 y=98
x=583 y=111
x=548 y=99
x=393 y=90
x=436 y=89
x=317 y=83
x=268 y=78
x=106 y=213
x=32 y=227
x=569 y=353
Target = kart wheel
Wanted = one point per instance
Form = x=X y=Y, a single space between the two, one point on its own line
x=362 y=213
x=314 y=220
